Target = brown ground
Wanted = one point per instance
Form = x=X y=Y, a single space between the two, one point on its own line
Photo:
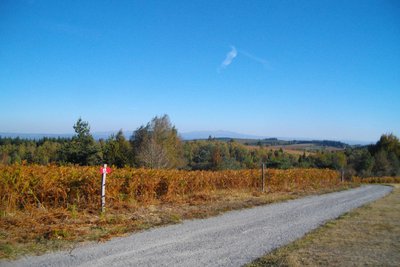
x=368 y=236
x=39 y=230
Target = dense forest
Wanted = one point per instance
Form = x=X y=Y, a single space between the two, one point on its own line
x=158 y=145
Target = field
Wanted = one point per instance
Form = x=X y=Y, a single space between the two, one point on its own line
x=286 y=149
x=300 y=149
x=24 y=187
x=51 y=207
x=368 y=236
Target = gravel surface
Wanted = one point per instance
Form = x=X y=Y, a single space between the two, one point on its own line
x=232 y=239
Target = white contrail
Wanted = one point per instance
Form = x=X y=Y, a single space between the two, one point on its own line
x=257 y=59
x=234 y=53
x=229 y=58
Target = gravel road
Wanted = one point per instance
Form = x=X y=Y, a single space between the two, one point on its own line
x=232 y=239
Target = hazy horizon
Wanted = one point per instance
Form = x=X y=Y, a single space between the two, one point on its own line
x=203 y=134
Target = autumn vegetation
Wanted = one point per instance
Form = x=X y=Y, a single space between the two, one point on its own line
x=50 y=207
x=32 y=186
x=50 y=188
x=157 y=145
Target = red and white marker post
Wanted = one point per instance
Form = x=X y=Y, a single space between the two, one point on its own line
x=104 y=170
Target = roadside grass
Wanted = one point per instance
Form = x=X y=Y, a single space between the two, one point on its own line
x=39 y=230
x=367 y=236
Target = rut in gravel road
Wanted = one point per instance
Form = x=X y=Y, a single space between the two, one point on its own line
x=232 y=239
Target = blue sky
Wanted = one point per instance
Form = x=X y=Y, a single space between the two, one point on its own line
x=316 y=69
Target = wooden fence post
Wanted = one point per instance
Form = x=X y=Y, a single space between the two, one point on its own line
x=263 y=177
x=342 y=175
x=103 y=189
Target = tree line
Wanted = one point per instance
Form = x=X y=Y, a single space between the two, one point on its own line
x=157 y=145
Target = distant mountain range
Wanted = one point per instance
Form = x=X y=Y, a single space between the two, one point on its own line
x=185 y=136
x=217 y=134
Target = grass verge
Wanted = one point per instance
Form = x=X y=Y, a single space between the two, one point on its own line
x=367 y=236
x=38 y=230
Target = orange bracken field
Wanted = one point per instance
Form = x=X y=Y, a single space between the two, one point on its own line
x=52 y=207
x=30 y=186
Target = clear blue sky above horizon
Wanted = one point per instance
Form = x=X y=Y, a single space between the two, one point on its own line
x=316 y=69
